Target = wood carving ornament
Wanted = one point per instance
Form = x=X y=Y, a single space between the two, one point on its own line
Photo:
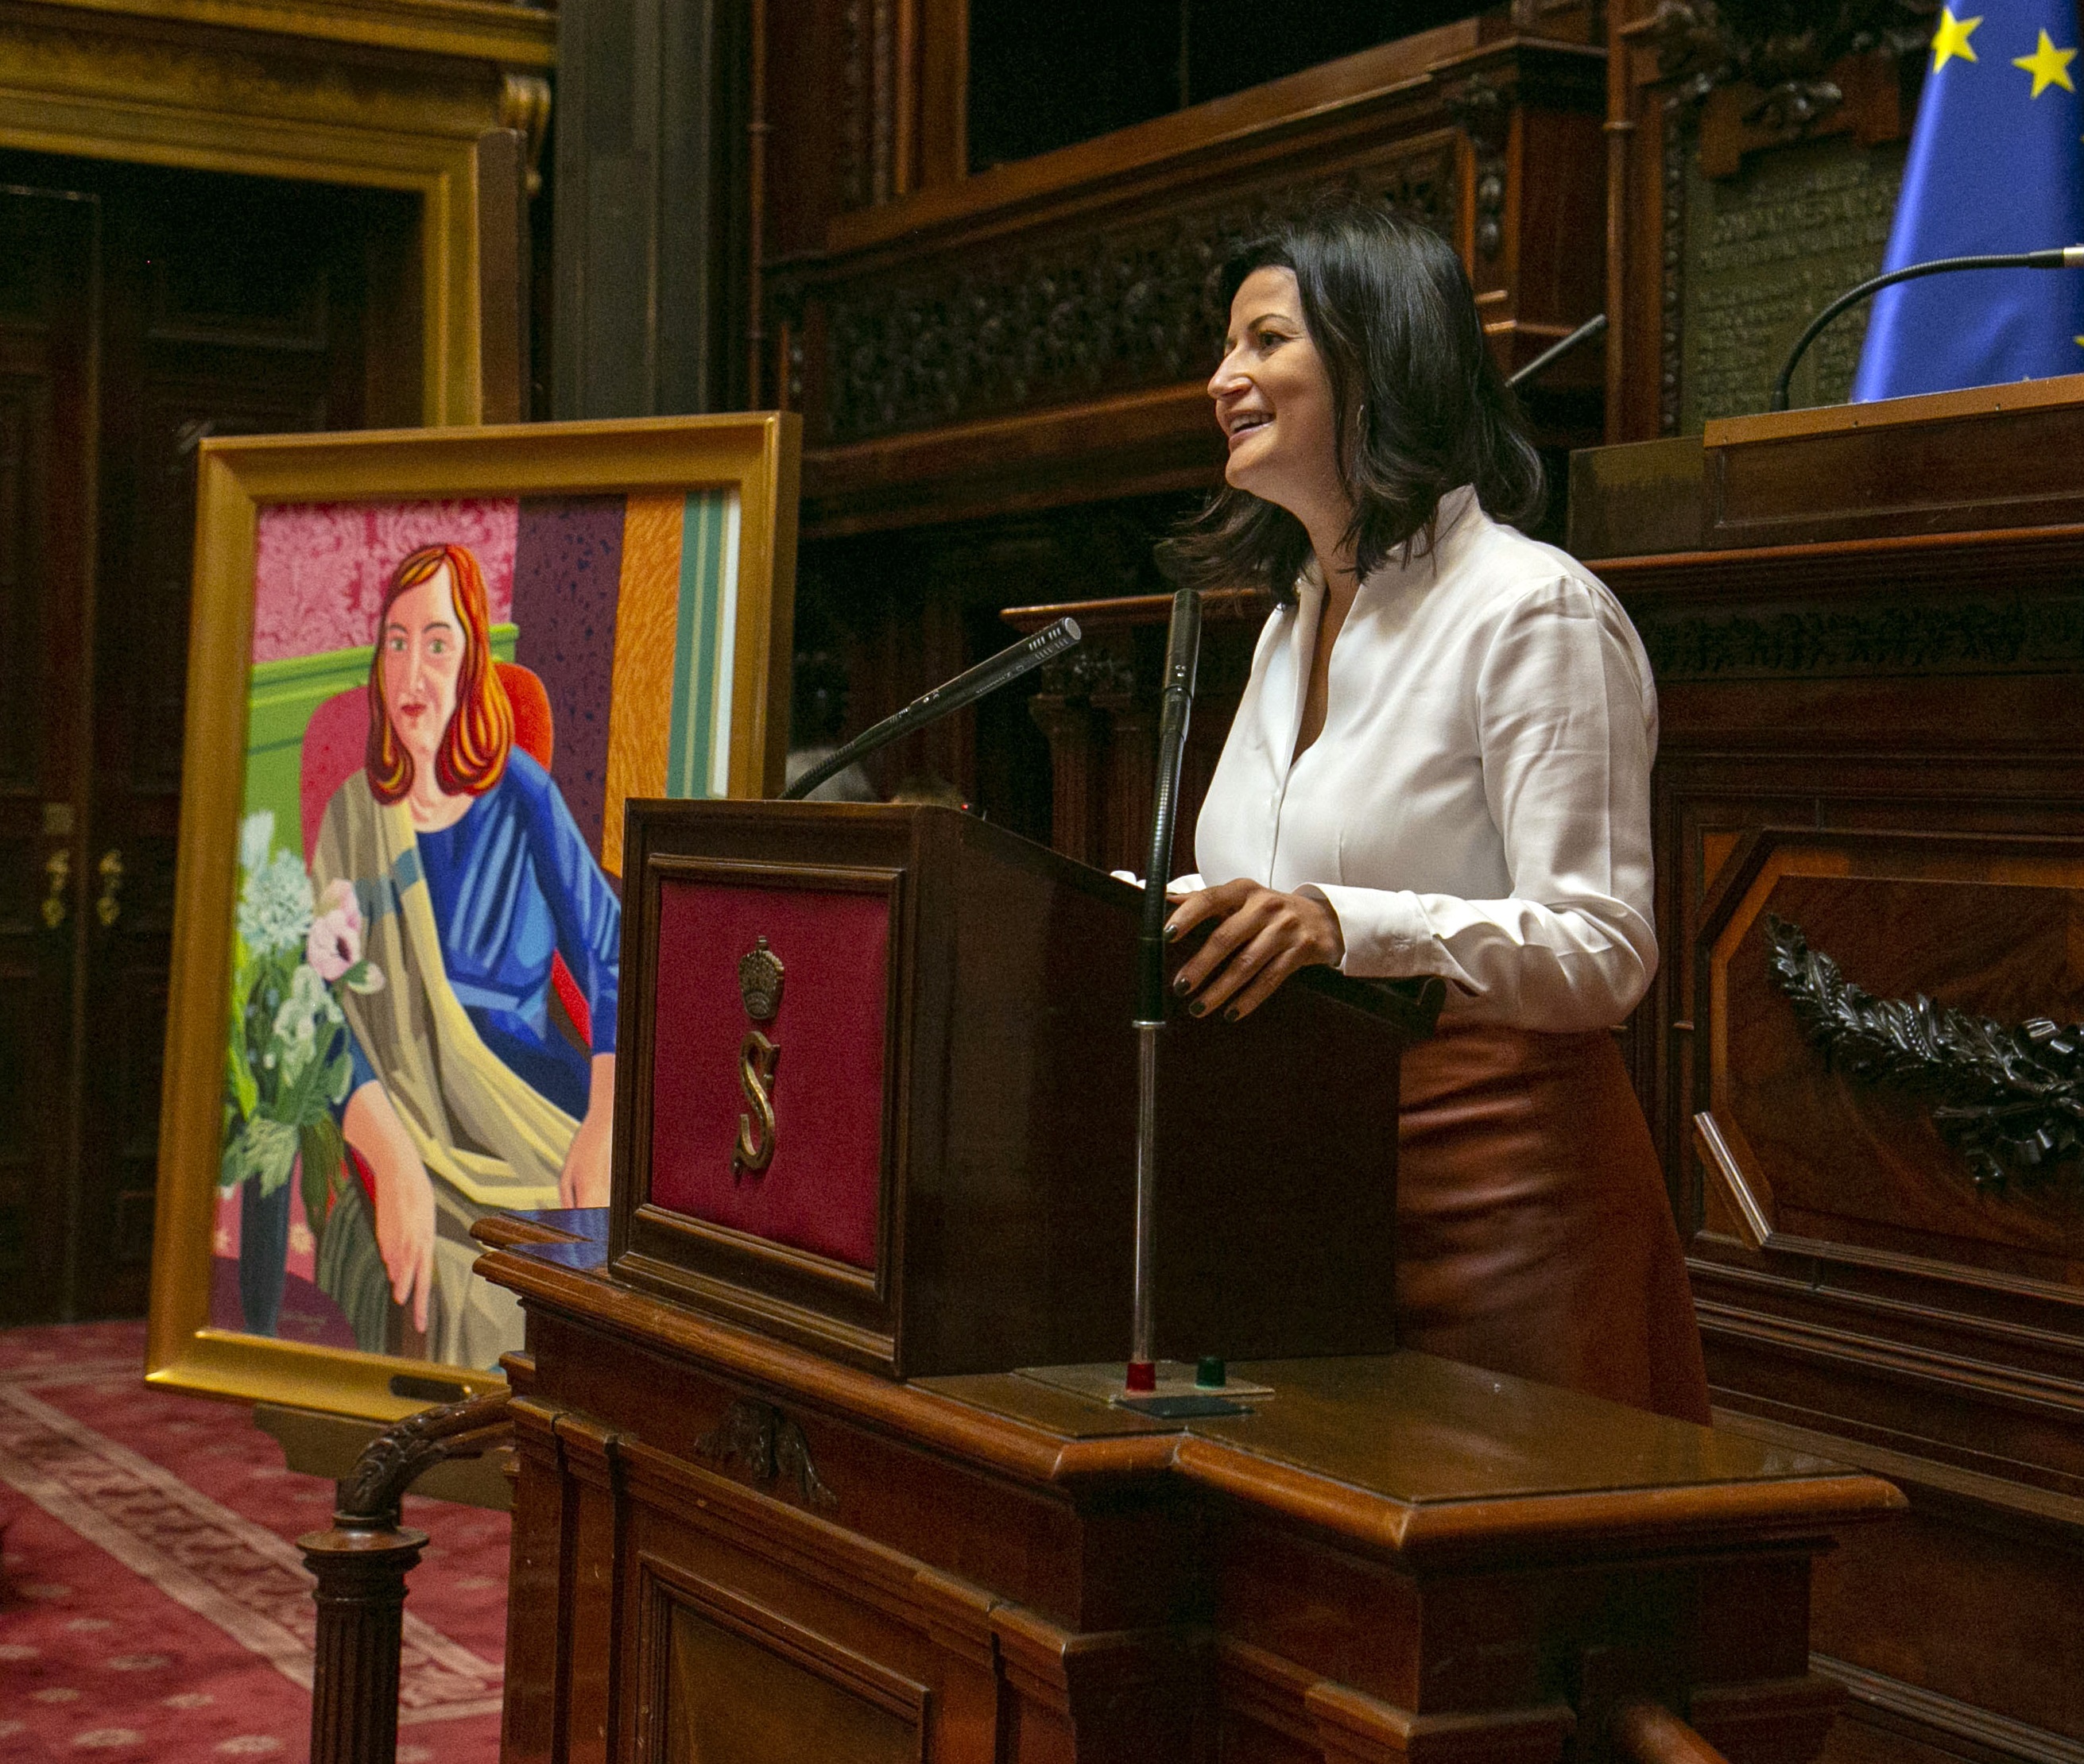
x=759 y=976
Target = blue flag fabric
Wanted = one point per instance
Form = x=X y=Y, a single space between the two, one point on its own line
x=1996 y=164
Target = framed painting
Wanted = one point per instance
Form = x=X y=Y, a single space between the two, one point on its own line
x=426 y=668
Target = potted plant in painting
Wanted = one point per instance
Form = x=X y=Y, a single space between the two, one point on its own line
x=287 y=1067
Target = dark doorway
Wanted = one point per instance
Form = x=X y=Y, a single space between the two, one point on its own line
x=141 y=310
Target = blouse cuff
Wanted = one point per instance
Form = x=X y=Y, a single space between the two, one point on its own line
x=1384 y=928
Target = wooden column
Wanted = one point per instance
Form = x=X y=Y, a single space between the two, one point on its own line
x=361 y=1597
x=651 y=273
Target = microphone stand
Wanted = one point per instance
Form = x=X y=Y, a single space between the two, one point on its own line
x=2058 y=257
x=944 y=700
x=1183 y=648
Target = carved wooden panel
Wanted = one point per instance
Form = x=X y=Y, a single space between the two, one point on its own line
x=1804 y=1158
x=1755 y=169
x=1130 y=303
x=738 y=1685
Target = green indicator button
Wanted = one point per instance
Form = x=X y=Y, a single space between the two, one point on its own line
x=1210 y=1373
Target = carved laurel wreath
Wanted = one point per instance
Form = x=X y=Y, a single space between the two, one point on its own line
x=2010 y=1100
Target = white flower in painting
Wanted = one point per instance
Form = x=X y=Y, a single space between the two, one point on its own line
x=308 y=1009
x=275 y=905
x=256 y=840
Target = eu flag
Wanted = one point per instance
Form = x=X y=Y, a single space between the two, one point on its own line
x=1995 y=164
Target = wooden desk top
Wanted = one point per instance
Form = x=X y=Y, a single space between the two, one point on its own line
x=1402 y=1453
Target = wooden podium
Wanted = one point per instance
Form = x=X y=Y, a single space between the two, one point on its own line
x=784 y=1495
x=952 y=1175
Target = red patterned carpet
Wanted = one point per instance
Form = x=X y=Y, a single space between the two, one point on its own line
x=152 y=1606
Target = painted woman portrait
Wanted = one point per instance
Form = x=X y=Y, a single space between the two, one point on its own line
x=452 y=865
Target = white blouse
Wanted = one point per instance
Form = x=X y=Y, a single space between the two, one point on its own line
x=1478 y=805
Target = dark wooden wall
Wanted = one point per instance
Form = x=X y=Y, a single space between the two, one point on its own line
x=1870 y=732
x=1001 y=372
x=1753 y=176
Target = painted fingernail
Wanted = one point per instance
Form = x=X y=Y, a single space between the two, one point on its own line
x=1171 y=933
x=1182 y=984
x=1230 y=1016
x=1197 y=1007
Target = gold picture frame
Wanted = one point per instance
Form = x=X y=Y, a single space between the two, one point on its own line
x=751 y=461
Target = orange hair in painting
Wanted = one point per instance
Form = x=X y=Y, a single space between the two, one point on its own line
x=474 y=747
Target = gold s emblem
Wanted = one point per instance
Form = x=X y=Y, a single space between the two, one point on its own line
x=760 y=982
x=760 y=975
x=757 y=1058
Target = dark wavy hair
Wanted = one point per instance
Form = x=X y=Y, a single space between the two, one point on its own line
x=1416 y=395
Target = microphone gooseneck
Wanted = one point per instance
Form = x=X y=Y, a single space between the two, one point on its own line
x=1555 y=353
x=1183 y=651
x=944 y=700
x=2056 y=257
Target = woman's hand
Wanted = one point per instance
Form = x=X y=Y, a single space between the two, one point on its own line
x=404 y=1198
x=1262 y=938
x=583 y=1181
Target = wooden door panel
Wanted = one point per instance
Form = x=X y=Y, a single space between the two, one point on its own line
x=253 y=353
x=47 y=264
x=140 y=704
x=199 y=304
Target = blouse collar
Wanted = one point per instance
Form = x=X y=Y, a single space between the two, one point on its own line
x=1449 y=514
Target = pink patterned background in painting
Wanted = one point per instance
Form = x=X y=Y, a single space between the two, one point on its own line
x=321 y=569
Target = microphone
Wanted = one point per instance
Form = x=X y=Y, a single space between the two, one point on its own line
x=2058 y=257
x=1555 y=353
x=944 y=700
x=1183 y=652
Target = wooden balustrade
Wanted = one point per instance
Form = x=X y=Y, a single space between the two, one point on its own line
x=361 y=1560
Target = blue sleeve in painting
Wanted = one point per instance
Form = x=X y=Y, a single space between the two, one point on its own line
x=587 y=915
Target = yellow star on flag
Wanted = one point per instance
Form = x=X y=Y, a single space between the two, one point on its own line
x=2048 y=65
x=1953 y=39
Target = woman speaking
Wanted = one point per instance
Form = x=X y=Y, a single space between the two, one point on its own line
x=1441 y=766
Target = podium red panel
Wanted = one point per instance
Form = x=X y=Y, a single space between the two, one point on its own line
x=820 y=1194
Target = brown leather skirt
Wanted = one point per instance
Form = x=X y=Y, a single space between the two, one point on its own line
x=1534 y=1235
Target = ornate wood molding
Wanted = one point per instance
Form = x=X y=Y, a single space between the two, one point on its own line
x=1128 y=306
x=756 y=1442
x=2010 y=1099
x=394 y=94
x=518 y=34
x=361 y=1562
x=369 y=1494
x=1989 y=633
x=1789 y=50
x=1089 y=276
